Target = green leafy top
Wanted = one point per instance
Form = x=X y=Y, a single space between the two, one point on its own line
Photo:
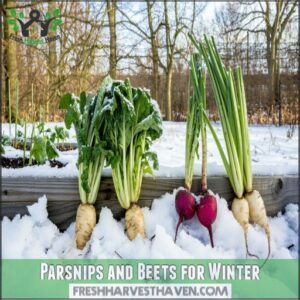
x=194 y=120
x=133 y=123
x=86 y=113
x=117 y=125
x=230 y=98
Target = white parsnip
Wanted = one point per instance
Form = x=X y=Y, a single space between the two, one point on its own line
x=85 y=223
x=258 y=215
x=240 y=210
x=134 y=222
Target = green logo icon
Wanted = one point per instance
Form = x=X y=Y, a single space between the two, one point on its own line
x=35 y=22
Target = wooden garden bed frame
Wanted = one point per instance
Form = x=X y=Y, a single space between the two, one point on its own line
x=63 y=197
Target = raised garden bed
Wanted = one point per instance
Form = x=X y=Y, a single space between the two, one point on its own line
x=63 y=196
x=19 y=162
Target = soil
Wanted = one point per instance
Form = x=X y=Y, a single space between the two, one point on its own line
x=60 y=147
x=21 y=147
x=16 y=163
x=66 y=147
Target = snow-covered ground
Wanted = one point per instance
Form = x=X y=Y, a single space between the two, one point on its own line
x=273 y=153
x=35 y=236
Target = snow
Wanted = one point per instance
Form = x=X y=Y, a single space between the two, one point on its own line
x=272 y=152
x=35 y=236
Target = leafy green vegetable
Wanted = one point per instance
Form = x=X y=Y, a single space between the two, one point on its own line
x=38 y=150
x=42 y=146
x=133 y=123
x=6 y=140
x=60 y=134
x=86 y=113
x=51 y=150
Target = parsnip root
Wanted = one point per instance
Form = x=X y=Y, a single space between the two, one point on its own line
x=85 y=223
x=258 y=214
x=134 y=222
x=240 y=210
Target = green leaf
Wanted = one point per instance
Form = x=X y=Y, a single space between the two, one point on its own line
x=41 y=127
x=38 y=150
x=16 y=28
x=56 y=12
x=82 y=101
x=21 y=15
x=13 y=12
x=11 y=22
x=151 y=157
x=51 y=150
x=65 y=101
x=6 y=141
x=69 y=118
x=52 y=137
x=57 y=22
x=48 y=15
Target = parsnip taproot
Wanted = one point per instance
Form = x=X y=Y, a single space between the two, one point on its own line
x=240 y=210
x=85 y=223
x=258 y=214
x=134 y=222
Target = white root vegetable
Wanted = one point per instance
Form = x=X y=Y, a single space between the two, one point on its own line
x=258 y=215
x=240 y=210
x=134 y=222
x=85 y=223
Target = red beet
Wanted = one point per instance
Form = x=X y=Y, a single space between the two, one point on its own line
x=207 y=213
x=185 y=206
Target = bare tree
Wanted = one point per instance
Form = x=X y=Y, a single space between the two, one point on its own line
x=52 y=63
x=111 y=12
x=270 y=19
x=10 y=59
x=171 y=34
x=149 y=34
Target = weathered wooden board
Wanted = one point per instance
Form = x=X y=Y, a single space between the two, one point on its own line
x=63 y=196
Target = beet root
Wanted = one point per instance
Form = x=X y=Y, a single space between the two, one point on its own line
x=207 y=213
x=185 y=204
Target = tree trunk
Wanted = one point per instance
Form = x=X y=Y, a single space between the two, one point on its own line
x=169 y=95
x=155 y=74
x=11 y=65
x=154 y=50
x=111 y=12
x=272 y=62
x=52 y=64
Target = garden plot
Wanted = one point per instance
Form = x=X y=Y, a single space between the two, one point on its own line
x=272 y=152
x=34 y=235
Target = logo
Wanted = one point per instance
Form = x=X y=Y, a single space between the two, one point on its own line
x=35 y=28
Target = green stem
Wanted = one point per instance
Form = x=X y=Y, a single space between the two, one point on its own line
x=17 y=112
x=127 y=200
x=25 y=140
x=9 y=110
x=31 y=143
x=204 y=144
